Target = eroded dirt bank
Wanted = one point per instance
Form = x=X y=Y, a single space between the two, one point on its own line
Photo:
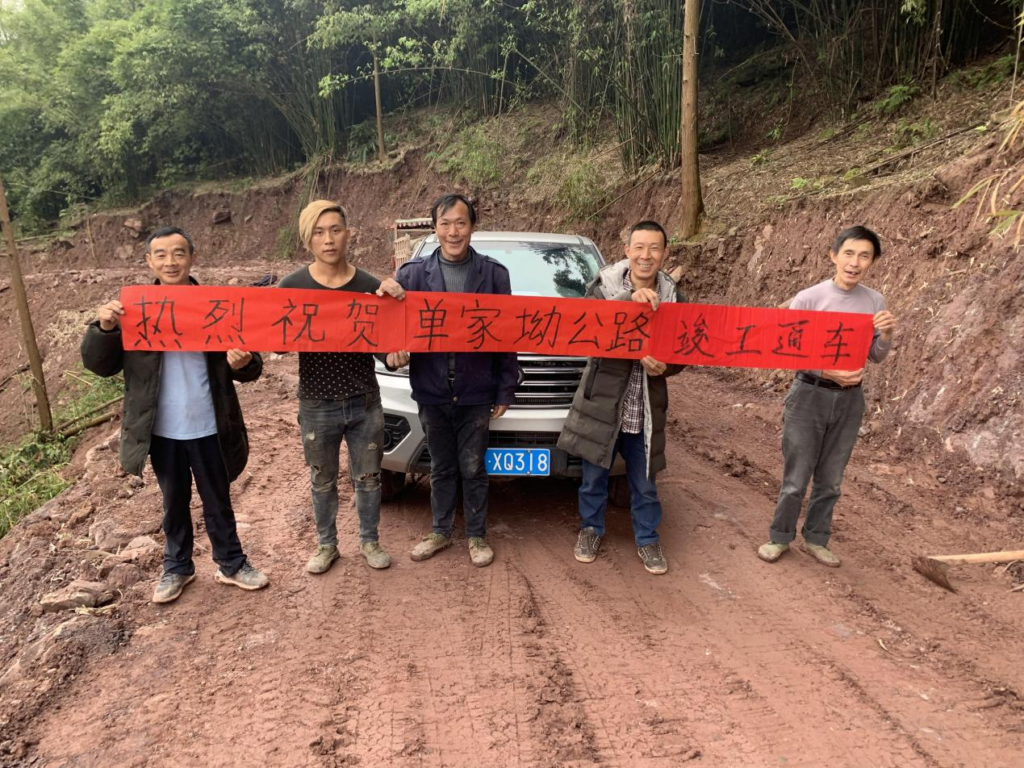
x=539 y=660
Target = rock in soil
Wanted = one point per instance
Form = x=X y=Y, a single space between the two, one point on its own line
x=77 y=594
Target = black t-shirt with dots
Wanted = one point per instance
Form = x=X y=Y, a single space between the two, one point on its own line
x=334 y=375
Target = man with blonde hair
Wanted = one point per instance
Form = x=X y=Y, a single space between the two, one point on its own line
x=338 y=394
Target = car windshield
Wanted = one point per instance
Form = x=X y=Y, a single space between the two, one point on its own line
x=544 y=269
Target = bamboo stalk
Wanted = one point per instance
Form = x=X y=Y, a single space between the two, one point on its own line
x=90 y=412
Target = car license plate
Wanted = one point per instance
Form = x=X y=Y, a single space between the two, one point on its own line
x=519 y=461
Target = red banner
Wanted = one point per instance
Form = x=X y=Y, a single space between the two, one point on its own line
x=205 y=318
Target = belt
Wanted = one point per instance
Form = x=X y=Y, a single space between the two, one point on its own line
x=817 y=381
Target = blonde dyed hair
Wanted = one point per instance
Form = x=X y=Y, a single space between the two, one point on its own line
x=312 y=213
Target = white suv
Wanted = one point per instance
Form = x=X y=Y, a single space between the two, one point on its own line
x=522 y=441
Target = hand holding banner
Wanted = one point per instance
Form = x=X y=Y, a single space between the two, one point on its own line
x=205 y=318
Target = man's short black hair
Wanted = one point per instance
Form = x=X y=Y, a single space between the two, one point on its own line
x=164 y=232
x=858 y=233
x=648 y=226
x=446 y=202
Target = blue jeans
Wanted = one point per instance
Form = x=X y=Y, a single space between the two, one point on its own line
x=359 y=420
x=457 y=437
x=644 y=506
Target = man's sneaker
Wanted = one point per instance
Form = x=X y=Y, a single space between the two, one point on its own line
x=587 y=545
x=321 y=561
x=821 y=554
x=654 y=558
x=772 y=551
x=480 y=552
x=245 y=577
x=432 y=544
x=170 y=586
x=375 y=555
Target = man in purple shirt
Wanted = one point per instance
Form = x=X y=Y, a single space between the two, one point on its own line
x=823 y=409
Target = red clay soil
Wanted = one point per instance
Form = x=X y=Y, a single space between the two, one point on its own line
x=538 y=659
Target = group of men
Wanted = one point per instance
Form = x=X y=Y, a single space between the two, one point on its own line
x=181 y=409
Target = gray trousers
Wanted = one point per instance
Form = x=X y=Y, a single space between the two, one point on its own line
x=819 y=431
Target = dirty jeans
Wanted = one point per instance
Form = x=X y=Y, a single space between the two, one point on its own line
x=359 y=420
x=457 y=438
x=644 y=505
x=175 y=463
x=820 y=429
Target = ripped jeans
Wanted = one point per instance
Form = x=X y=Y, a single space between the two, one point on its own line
x=324 y=423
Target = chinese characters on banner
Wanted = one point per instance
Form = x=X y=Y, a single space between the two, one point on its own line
x=205 y=318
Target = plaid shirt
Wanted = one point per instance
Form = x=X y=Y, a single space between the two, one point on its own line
x=633 y=402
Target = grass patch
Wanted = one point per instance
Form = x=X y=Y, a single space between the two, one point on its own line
x=475 y=157
x=582 y=192
x=30 y=470
x=913 y=132
x=286 y=244
x=897 y=97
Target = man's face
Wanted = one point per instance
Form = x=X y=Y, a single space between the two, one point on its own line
x=329 y=238
x=646 y=253
x=454 y=230
x=853 y=261
x=170 y=260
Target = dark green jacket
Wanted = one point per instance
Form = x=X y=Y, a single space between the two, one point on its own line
x=103 y=354
x=593 y=423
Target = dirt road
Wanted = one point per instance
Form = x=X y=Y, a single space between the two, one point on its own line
x=540 y=660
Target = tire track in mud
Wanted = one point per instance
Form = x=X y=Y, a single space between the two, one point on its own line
x=780 y=591
x=777 y=671
x=539 y=660
x=471 y=678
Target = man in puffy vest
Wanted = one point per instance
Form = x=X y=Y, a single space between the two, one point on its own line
x=620 y=407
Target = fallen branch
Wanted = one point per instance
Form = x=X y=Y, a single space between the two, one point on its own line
x=89 y=413
x=91 y=423
x=914 y=150
x=7 y=378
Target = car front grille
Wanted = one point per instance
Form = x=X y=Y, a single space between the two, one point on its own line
x=549 y=382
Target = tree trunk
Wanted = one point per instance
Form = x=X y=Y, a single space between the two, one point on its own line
x=692 y=204
x=35 y=361
x=936 y=49
x=380 y=112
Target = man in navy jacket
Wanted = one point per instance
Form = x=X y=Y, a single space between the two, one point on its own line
x=458 y=393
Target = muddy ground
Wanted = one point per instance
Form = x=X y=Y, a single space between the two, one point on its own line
x=537 y=660
x=540 y=660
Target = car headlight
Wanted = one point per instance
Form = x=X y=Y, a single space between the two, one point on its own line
x=382 y=369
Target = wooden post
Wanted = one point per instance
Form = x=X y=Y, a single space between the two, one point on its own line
x=692 y=203
x=21 y=298
x=380 y=112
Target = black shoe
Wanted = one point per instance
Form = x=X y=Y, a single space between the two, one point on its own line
x=587 y=545
x=654 y=558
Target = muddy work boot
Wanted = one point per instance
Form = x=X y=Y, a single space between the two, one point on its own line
x=321 y=561
x=821 y=554
x=245 y=577
x=480 y=552
x=587 y=545
x=432 y=544
x=772 y=551
x=170 y=586
x=654 y=558
x=375 y=555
